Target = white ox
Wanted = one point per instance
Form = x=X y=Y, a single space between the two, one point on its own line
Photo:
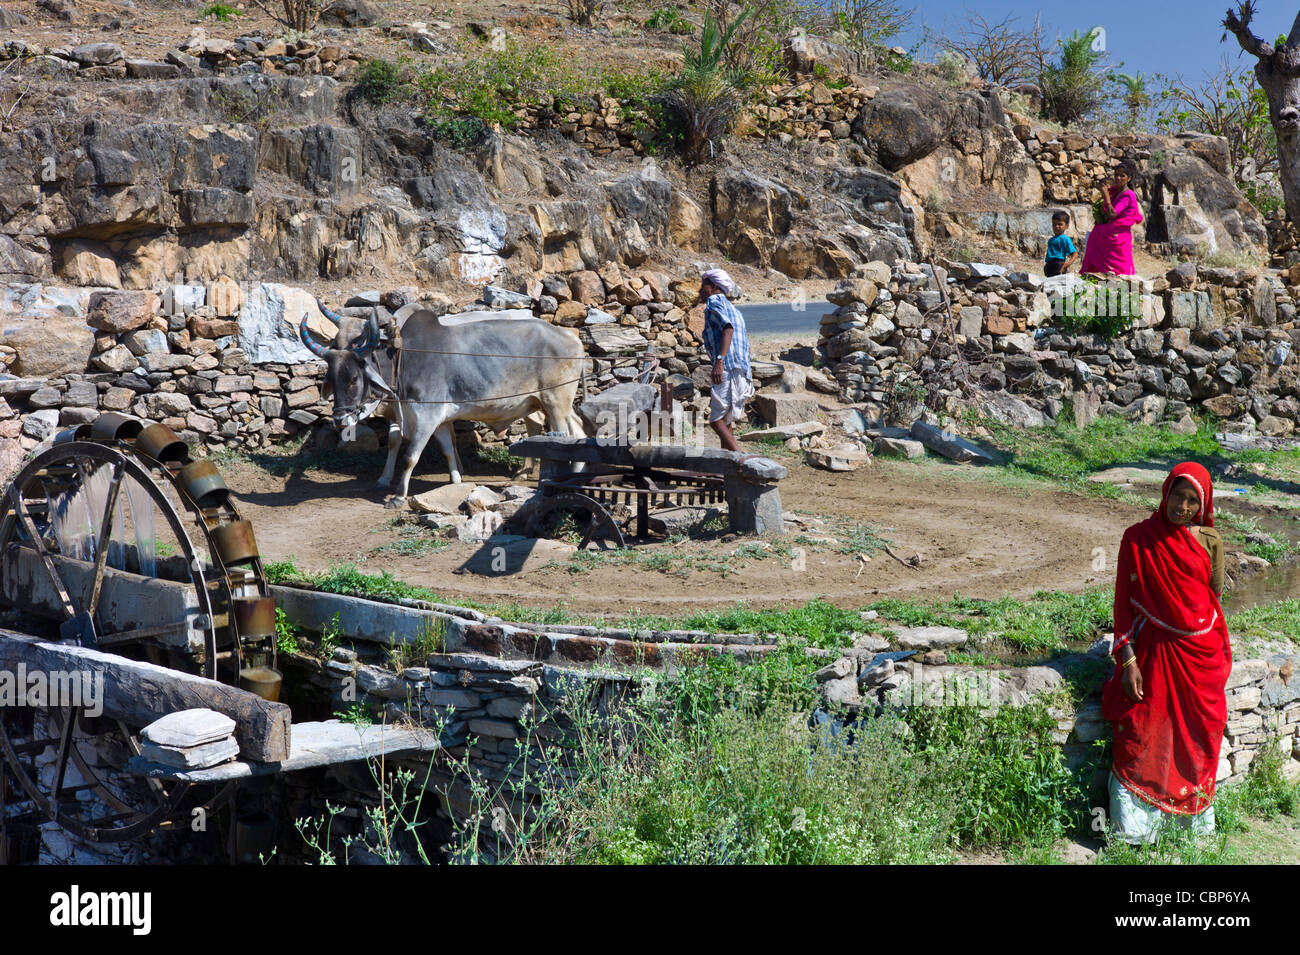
x=470 y=367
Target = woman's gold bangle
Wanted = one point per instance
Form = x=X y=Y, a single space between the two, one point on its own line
x=1129 y=662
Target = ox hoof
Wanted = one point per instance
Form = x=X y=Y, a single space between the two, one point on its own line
x=395 y=503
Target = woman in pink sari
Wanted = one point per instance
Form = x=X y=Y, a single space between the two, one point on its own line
x=1109 y=250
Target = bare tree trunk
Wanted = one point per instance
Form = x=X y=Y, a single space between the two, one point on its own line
x=1278 y=71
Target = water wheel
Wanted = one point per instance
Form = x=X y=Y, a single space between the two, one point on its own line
x=83 y=527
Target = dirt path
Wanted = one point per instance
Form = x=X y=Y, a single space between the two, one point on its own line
x=975 y=535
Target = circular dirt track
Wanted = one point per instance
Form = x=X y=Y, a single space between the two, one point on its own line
x=975 y=533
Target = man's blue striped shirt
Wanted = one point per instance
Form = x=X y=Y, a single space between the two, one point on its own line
x=718 y=314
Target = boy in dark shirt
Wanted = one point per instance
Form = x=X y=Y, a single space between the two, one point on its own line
x=1061 y=253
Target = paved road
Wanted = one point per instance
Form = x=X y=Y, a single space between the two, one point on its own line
x=780 y=320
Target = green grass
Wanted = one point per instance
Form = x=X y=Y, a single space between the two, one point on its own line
x=818 y=622
x=1274 y=621
x=413 y=541
x=1263 y=797
x=1047 y=621
x=1067 y=453
x=671 y=560
x=722 y=765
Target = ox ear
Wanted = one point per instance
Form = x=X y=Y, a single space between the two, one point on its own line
x=308 y=339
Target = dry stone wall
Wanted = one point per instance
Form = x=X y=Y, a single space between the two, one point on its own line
x=507 y=694
x=1204 y=340
x=221 y=364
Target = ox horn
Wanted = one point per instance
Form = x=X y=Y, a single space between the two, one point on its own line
x=334 y=317
x=372 y=334
x=308 y=339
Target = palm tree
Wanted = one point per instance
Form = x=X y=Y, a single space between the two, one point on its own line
x=1135 y=95
x=706 y=94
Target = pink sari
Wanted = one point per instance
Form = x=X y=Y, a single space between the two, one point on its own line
x=1109 y=249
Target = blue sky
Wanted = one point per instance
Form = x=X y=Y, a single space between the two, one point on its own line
x=1181 y=36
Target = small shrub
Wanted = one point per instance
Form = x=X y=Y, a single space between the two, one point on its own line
x=952 y=67
x=286 y=633
x=497 y=456
x=431 y=639
x=379 y=81
x=666 y=18
x=357 y=715
x=1099 y=309
x=898 y=62
x=330 y=638
x=492 y=83
x=219 y=11
x=1073 y=87
x=459 y=132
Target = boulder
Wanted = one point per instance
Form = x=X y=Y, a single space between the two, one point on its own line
x=843 y=458
x=570 y=313
x=120 y=311
x=1195 y=205
x=1013 y=412
x=781 y=410
x=950 y=445
x=48 y=341
x=616 y=413
x=442 y=500
x=351 y=13
x=269 y=320
x=904 y=123
x=41 y=424
x=495 y=297
x=688 y=226
x=899 y=447
x=481 y=499
x=681 y=520
x=90 y=263
x=614 y=339
x=930 y=638
x=803 y=429
x=586 y=287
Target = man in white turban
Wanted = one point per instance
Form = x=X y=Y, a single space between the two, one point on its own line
x=728 y=347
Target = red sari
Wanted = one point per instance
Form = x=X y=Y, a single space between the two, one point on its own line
x=1167 y=745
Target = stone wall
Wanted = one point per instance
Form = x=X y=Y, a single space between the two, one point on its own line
x=505 y=692
x=1218 y=341
x=222 y=366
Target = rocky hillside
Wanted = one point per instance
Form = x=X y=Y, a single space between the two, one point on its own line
x=143 y=145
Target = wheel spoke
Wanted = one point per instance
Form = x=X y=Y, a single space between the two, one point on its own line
x=20 y=506
x=102 y=542
x=65 y=744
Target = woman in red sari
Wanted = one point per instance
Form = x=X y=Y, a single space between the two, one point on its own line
x=1109 y=248
x=1166 y=697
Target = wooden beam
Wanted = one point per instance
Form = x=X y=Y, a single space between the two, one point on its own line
x=126 y=601
x=139 y=693
x=314 y=744
x=678 y=456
